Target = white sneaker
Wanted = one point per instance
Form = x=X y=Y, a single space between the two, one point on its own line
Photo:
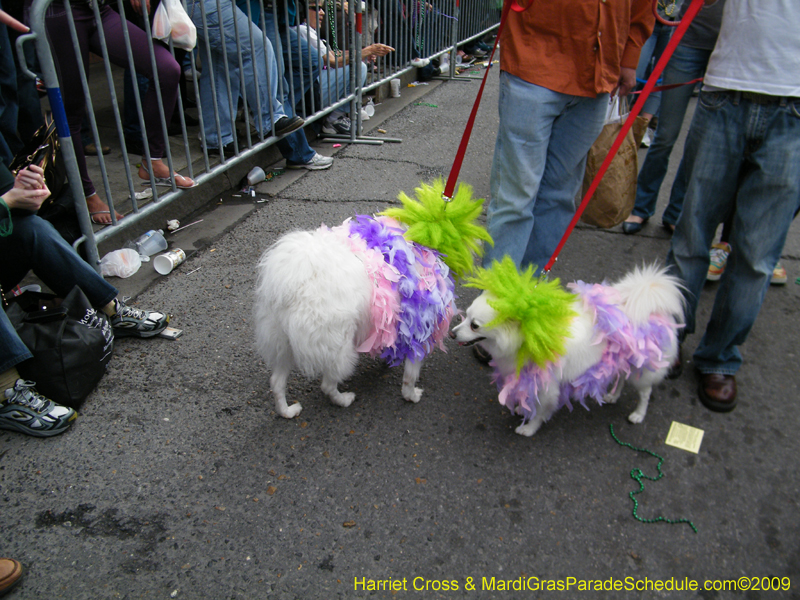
x=317 y=163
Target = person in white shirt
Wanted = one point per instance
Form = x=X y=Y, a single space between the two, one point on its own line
x=740 y=159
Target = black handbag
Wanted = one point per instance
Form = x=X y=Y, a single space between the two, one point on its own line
x=71 y=342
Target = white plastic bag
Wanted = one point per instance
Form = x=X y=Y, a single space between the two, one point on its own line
x=162 y=28
x=171 y=21
x=120 y=263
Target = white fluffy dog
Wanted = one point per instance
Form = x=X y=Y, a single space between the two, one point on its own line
x=324 y=296
x=550 y=347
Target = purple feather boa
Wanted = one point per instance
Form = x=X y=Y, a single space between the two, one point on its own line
x=425 y=288
x=629 y=350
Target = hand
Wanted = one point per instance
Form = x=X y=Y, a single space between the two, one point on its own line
x=7 y=19
x=627 y=81
x=377 y=50
x=137 y=6
x=30 y=178
x=25 y=199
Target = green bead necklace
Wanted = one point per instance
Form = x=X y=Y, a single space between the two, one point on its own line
x=637 y=475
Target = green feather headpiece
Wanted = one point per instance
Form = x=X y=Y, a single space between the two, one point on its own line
x=450 y=228
x=543 y=309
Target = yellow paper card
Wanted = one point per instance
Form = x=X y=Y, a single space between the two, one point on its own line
x=685 y=437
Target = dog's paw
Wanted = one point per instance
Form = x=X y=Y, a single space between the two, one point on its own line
x=636 y=417
x=343 y=399
x=528 y=429
x=610 y=398
x=412 y=394
x=290 y=412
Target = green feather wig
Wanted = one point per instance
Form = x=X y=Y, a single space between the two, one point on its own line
x=543 y=309
x=450 y=228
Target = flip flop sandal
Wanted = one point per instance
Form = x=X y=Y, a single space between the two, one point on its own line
x=167 y=182
x=99 y=212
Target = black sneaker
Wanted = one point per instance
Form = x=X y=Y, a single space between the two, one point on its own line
x=135 y=322
x=24 y=409
x=286 y=125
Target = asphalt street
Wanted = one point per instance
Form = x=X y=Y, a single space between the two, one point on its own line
x=178 y=480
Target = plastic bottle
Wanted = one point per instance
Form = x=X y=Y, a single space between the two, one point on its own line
x=150 y=242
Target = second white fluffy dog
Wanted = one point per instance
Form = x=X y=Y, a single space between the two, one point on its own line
x=550 y=347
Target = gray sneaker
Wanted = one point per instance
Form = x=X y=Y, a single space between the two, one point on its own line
x=25 y=410
x=135 y=322
x=317 y=163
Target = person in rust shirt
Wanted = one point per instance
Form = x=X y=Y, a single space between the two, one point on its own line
x=559 y=62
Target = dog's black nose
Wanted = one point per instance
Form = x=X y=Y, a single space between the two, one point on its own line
x=452 y=334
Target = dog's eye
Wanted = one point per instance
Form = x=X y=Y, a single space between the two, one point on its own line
x=474 y=326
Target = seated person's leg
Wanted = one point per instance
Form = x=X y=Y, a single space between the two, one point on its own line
x=22 y=408
x=35 y=245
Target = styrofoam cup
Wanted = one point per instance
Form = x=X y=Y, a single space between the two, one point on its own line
x=256 y=175
x=165 y=263
x=395 y=83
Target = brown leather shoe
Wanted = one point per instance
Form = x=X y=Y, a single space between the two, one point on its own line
x=10 y=573
x=717 y=392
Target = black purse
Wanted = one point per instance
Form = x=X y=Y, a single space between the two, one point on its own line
x=70 y=340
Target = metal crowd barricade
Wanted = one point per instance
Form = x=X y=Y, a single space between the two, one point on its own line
x=416 y=29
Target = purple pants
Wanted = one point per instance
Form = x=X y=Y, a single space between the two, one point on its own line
x=169 y=71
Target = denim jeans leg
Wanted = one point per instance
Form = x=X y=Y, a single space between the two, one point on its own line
x=218 y=100
x=539 y=158
x=12 y=350
x=684 y=65
x=572 y=137
x=35 y=244
x=711 y=162
x=518 y=165
x=767 y=199
x=293 y=147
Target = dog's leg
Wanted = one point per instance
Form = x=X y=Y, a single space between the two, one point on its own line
x=330 y=385
x=612 y=396
x=531 y=427
x=638 y=415
x=278 y=381
x=548 y=404
x=410 y=376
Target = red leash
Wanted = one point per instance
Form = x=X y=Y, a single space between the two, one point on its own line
x=637 y=108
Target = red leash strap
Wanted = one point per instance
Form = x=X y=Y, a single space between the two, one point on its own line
x=637 y=108
x=450 y=186
x=669 y=86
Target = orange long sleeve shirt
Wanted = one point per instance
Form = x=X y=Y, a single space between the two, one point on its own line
x=575 y=47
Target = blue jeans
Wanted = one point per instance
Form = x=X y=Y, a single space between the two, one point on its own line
x=685 y=65
x=35 y=244
x=258 y=62
x=294 y=147
x=735 y=162
x=651 y=52
x=538 y=166
x=334 y=84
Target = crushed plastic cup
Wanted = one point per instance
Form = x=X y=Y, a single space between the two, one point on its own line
x=149 y=243
x=165 y=263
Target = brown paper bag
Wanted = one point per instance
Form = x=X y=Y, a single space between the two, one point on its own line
x=614 y=198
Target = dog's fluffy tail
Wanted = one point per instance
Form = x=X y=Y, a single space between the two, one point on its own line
x=312 y=303
x=648 y=290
